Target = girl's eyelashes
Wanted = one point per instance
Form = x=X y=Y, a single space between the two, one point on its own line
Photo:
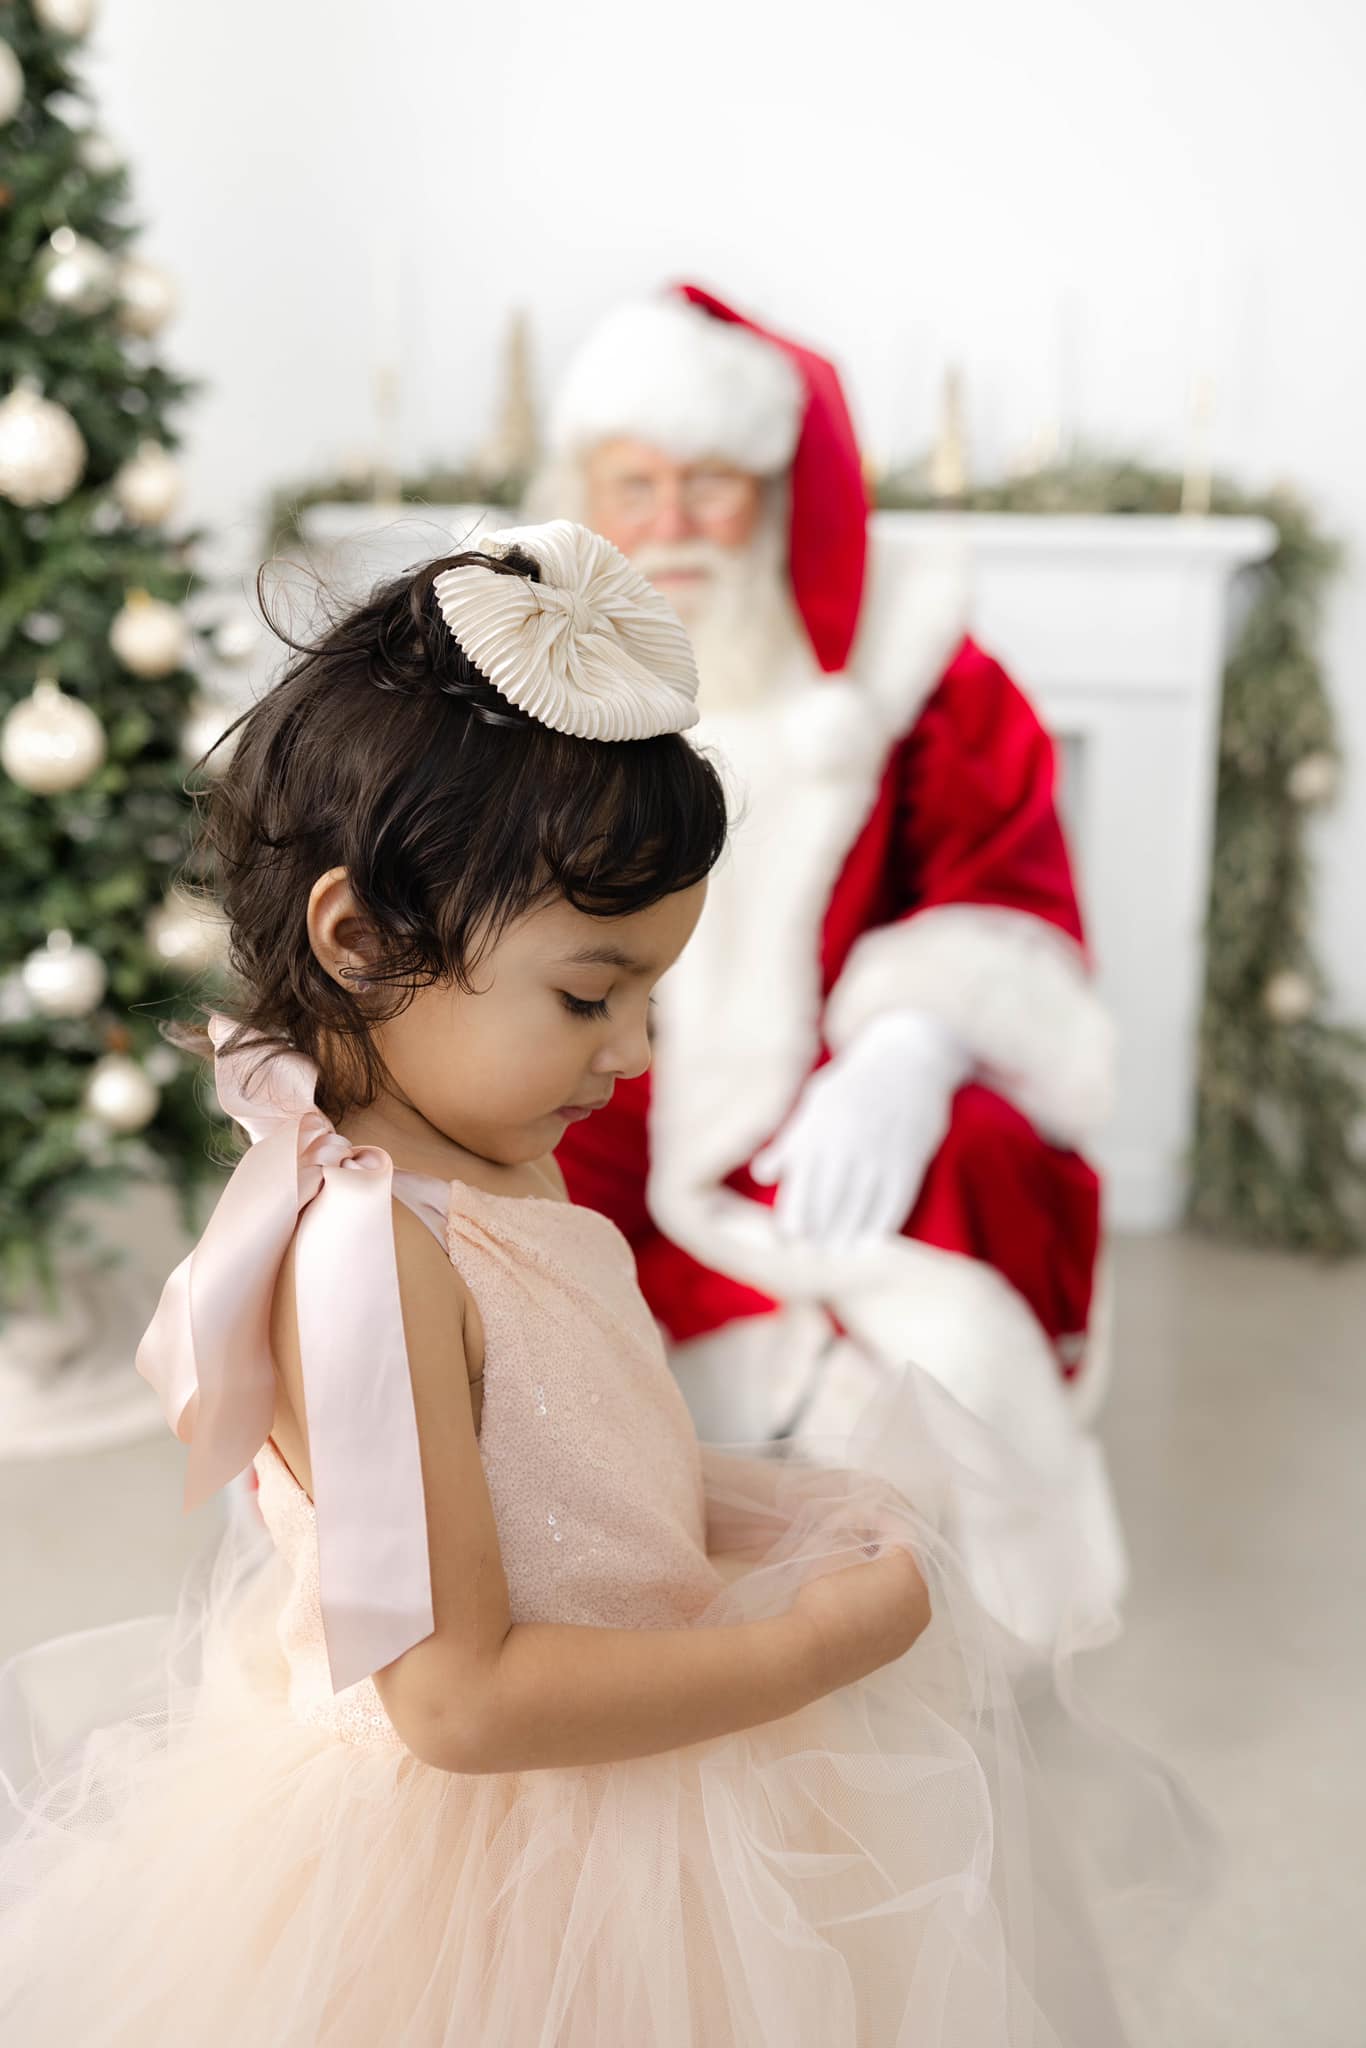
x=578 y=1006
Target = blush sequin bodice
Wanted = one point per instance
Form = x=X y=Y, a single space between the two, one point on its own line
x=588 y=1450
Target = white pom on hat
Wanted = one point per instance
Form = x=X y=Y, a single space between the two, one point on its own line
x=664 y=371
x=590 y=649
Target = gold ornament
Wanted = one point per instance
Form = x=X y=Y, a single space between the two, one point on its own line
x=121 y=1094
x=147 y=298
x=148 y=486
x=11 y=84
x=510 y=451
x=1288 y=997
x=188 y=936
x=65 y=17
x=63 y=979
x=51 y=742
x=948 y=475
x=42 y=453
x=77 y=275
x=149 y=637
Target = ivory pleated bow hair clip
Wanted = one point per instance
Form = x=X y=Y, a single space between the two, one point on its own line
x=591 y=649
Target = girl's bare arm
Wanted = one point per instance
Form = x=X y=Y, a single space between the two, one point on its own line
x=485 y=1694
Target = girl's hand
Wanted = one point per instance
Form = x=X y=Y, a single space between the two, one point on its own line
x=863 y=1616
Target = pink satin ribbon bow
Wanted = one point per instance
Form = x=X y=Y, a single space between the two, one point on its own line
x=207 y=1350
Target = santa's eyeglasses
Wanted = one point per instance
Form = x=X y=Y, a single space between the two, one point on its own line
x=704 y=494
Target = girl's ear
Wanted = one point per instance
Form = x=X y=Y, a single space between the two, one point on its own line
x=341 y=938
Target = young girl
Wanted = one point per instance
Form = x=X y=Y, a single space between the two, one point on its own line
x=537 y=1726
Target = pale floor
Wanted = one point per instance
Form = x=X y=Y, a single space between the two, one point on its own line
x=1236 y=1429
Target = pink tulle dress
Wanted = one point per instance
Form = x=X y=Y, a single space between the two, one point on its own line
x=221 y=1849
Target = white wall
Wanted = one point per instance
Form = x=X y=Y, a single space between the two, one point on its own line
x=1084 y=203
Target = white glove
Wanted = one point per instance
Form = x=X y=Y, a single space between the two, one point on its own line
x=852 y=1156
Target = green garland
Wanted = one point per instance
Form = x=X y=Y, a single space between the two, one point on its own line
x=1280 y=1098
x=285 y=515
x=1276 y=1159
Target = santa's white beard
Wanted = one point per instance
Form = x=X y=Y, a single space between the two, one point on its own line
x=738 y=612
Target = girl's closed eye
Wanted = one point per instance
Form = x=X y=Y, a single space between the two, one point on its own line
x=580 y=1006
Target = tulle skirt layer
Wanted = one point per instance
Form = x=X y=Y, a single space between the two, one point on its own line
x=894 y=1867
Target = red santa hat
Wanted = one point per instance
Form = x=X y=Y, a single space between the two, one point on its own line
x=695 y=377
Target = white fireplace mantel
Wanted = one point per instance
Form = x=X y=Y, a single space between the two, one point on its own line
x=1116 y=627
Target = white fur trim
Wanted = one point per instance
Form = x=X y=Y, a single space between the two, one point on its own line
x=740 y=1015
x=664 y=371
x=1029 y=1507
x=1013 y=989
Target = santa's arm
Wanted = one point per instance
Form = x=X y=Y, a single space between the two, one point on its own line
x=988 y=936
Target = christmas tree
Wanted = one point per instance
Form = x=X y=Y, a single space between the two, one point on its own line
x=100 y=710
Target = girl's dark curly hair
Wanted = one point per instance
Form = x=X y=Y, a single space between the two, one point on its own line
x=383 y=750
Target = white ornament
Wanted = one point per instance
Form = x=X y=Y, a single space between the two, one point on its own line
x=187 y=935
x=65 y=17
x=201 y=733
x=51 y=742
x=1313 y=780
x=149 y=637
x=77 y=274
x=42 y=454
x=63 y=979
x=120 y=1093
x=16 y=1004
x=147 y=298
x=163 y=1065
x=148 y=485
x=1288 y=997
x=11 y=84
x=97 y=153
x=236 y=639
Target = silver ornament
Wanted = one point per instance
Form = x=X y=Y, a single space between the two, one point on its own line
x=1288 y=997
x=186 y=935
x=42 y=453
x=120 y=1093
x=147 y=297
x=51 y=742
x=201 y=733
x=148 y=485
x=65 y=17
x=63 y=979
x=11 y=84
x=148 y=636
x=77 y=274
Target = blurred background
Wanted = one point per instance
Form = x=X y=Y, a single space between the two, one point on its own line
x=1082 y=268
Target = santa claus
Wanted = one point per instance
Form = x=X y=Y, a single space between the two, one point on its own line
x=877 y=1064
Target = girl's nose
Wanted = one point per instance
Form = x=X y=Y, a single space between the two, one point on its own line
x=627 y=1055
